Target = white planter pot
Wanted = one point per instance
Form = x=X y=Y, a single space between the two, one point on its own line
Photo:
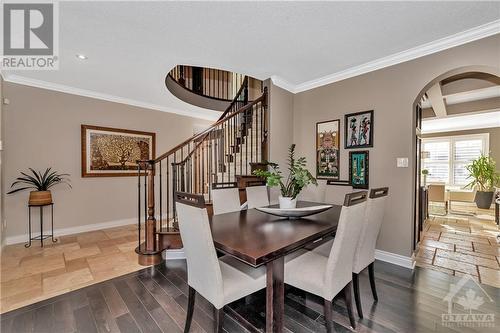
x=287 y=202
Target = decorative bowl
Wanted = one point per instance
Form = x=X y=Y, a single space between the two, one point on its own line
x=294 y=213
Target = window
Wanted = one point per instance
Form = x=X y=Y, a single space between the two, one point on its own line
x=448 y=157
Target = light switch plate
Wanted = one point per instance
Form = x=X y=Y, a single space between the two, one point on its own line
x=402 y=162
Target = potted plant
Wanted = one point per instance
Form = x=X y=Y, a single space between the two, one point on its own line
x=298 y=178
x=484 y=179
x=40 y=183
x=425 y=173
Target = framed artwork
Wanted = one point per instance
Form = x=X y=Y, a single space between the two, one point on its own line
x=328 y=149
x=113 y=152
x=358 y=169
x=358 y=130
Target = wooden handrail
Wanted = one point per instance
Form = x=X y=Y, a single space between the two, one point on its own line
x=206 y=131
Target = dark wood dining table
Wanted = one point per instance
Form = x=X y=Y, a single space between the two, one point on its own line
x=257 y=238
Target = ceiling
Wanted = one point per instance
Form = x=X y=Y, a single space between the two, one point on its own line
x=131 y=46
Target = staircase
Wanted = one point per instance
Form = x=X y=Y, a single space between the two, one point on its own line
x=225 y=152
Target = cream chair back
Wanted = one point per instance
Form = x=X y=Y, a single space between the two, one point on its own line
x=437 y=192
x=340 y=262
x=257 y=196
x=274 y=194
x=204 y=273
x=225 y=198
x=336 y=191
x=375 y=208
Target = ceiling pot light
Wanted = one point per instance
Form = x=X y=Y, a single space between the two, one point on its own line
x=81 y=56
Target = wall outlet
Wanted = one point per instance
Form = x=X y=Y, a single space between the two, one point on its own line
x=402 y=162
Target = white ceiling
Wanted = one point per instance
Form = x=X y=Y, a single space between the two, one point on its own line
x=132 y=45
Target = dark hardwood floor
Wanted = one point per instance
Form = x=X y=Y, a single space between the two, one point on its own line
x=155 y=299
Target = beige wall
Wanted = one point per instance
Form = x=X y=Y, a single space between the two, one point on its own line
x=494 y=140
x=391 y=92
x=2 y=232
x=280 y=122
x=42 y=129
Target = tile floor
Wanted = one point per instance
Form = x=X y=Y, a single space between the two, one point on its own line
x=75 y=261
x=457 y=244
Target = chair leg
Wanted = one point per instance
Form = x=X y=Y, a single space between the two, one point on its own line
x=190 y=309
x=348 y=303
x=372 y=281
x=219 y=320
x=355 y=282
x=327 y=309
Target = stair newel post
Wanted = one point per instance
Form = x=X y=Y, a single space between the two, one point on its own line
x=151 y=221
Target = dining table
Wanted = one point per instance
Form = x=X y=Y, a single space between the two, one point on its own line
x=257 y=238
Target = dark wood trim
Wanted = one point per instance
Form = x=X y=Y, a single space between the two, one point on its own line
x=355 y=198
x=346 y=132
x=379 y=192
x=222 y=185
x=190 y=308
x=348 y=303
x=83 y=141
x=275 y=295
x=316 y=151
x=194 y=200
x=357 y=299
x=367 y=169
x=371 y=273
x=338 y=182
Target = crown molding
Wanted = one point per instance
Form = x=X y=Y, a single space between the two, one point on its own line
x=210 y=115
x=464 y=37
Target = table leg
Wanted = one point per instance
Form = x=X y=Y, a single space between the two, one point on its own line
x=275 y=295
x=41 y=226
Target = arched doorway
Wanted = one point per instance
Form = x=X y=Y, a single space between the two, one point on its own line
x=467 y=72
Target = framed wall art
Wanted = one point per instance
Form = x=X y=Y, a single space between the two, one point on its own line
x=328 y=149
x=358 y=169
x=358 y=130
x=113 y=152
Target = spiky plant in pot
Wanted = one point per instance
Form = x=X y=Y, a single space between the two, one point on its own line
x=40 y=184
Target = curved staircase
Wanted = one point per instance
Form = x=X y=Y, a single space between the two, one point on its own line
x=227 y=151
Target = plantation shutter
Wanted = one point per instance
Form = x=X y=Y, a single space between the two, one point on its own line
x=465 y=151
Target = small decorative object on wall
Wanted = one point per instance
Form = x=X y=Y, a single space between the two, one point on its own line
x=40 y=184
x=328 y=149
x=358 y=130
x=112 y=152
x=358 y=169
x=298 y=178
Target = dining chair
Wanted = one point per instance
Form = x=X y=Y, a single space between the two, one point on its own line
x=274 y=194
x=219 y=280
x=257 y=196
x=335 y=193
x=314 y=193
x=328 y=276
x=364 y=256
x=225 y=198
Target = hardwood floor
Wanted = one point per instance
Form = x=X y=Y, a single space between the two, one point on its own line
x=154 y=300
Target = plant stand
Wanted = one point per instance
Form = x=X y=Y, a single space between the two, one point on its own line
x=42 y=236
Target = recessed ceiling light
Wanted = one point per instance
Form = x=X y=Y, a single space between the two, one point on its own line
x=81 y=56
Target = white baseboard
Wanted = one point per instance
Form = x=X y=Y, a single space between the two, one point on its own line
x=389 y=257
x=395 y=259
x=74 y=230
x=174 y=254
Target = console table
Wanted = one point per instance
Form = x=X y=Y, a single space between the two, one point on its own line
x=42 y=236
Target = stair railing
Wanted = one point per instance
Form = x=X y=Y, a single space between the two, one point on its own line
x=217 y=154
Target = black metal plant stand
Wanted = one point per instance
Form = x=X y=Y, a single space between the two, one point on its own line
x=42 y=236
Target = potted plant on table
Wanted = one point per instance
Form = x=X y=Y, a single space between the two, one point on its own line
x=298 y=178
x=40 y=183
x=484 y=179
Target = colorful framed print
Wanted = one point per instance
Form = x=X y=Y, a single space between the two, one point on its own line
x=328 y=149
x=358 y=169
x=113 y=152
x=358 y=130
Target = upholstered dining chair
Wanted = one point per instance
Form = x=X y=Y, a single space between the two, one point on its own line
x=365 y=251
x=219 y=280
x=336 y=190
x=257 y=196
x=225 y=198
x=328 y=276
x=437 y=194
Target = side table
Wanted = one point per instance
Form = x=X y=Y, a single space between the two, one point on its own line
x=42 y=236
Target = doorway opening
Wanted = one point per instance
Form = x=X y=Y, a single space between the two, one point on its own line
x=456 y=231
